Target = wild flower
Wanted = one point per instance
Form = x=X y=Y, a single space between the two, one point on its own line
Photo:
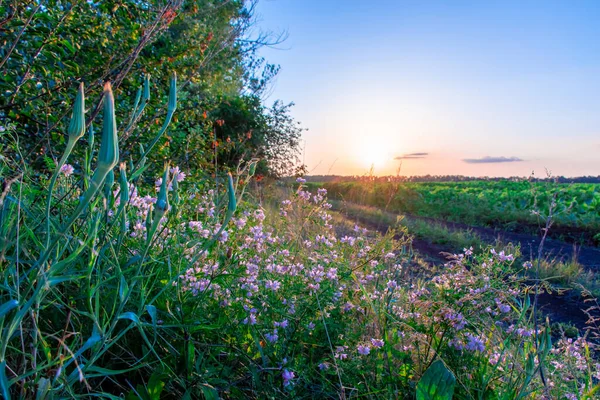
x=504 y=308
x=300 y=180
x=177 y=174
x=283 y=324
x=287 y=377
x=494 y=358
x=377 y=343
x=474 y=343
x=272 y=337
x=273 y=285
x=158 y=184
x=67 y=169
x=250 y=320
x=323 y=366
x=363 y=350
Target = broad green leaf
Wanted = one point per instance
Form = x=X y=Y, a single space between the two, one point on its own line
x=209 y=392
x=437 y=383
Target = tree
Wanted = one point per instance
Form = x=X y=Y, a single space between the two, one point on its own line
x=48 y=47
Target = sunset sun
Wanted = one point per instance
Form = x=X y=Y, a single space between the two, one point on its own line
x=372 y=154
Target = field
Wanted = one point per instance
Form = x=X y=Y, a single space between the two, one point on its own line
x=519 y=206
x=159 y=238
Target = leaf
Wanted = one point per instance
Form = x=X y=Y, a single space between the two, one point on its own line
x=152 y=311
x=68 y=45
x=123 y=289
x=6 y=307
x=4 y=384
x=130 y=316
x=156 y=385
x=437 y=383
x=43 y=388
x=209 y=392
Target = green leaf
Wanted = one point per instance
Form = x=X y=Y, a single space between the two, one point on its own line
x=209 y=392
x=4 y=384
x=156 y=385
x=130 y=316
x=123 y=289
x=152 y=311
x=6 y=307
x=43 y=389
x=437 y=383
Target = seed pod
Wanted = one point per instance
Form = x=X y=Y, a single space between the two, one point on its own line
x=123 y=184
x=172 y=106
x=232 y=204
x=176 y=199
x=252 y=169
x=108 y=157
x=77 y=125
x=161 y=208
x=123 y=196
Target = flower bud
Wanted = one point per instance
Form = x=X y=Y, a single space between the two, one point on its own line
x=77 y=125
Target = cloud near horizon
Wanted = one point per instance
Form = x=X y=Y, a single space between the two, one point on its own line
x=411 y=156
x=492 y=160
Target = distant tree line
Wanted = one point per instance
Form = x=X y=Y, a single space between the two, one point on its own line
x=446 y=178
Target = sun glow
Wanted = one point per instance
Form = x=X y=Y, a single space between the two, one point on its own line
x=372 y=154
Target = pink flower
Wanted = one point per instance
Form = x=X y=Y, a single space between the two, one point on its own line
x=177 y=174
x=67 y=169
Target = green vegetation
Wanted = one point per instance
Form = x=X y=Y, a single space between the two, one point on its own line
x=139 y=263
x=557 y=274
x=160 y=297
x=49 y=48
x=508 y=205
x=437 y=233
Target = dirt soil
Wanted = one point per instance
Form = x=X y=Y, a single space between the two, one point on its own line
x=589 y=257
x=565 y=308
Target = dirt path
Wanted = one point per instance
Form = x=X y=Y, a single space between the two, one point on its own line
x=565 y=308
x=589 y=257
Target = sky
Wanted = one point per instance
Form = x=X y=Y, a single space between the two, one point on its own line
x=479 y=88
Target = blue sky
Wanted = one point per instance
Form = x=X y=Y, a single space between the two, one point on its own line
x=462 y=80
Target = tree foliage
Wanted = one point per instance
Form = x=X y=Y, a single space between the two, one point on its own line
x=48 y=47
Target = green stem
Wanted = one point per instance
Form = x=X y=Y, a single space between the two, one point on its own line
x=63 y=160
